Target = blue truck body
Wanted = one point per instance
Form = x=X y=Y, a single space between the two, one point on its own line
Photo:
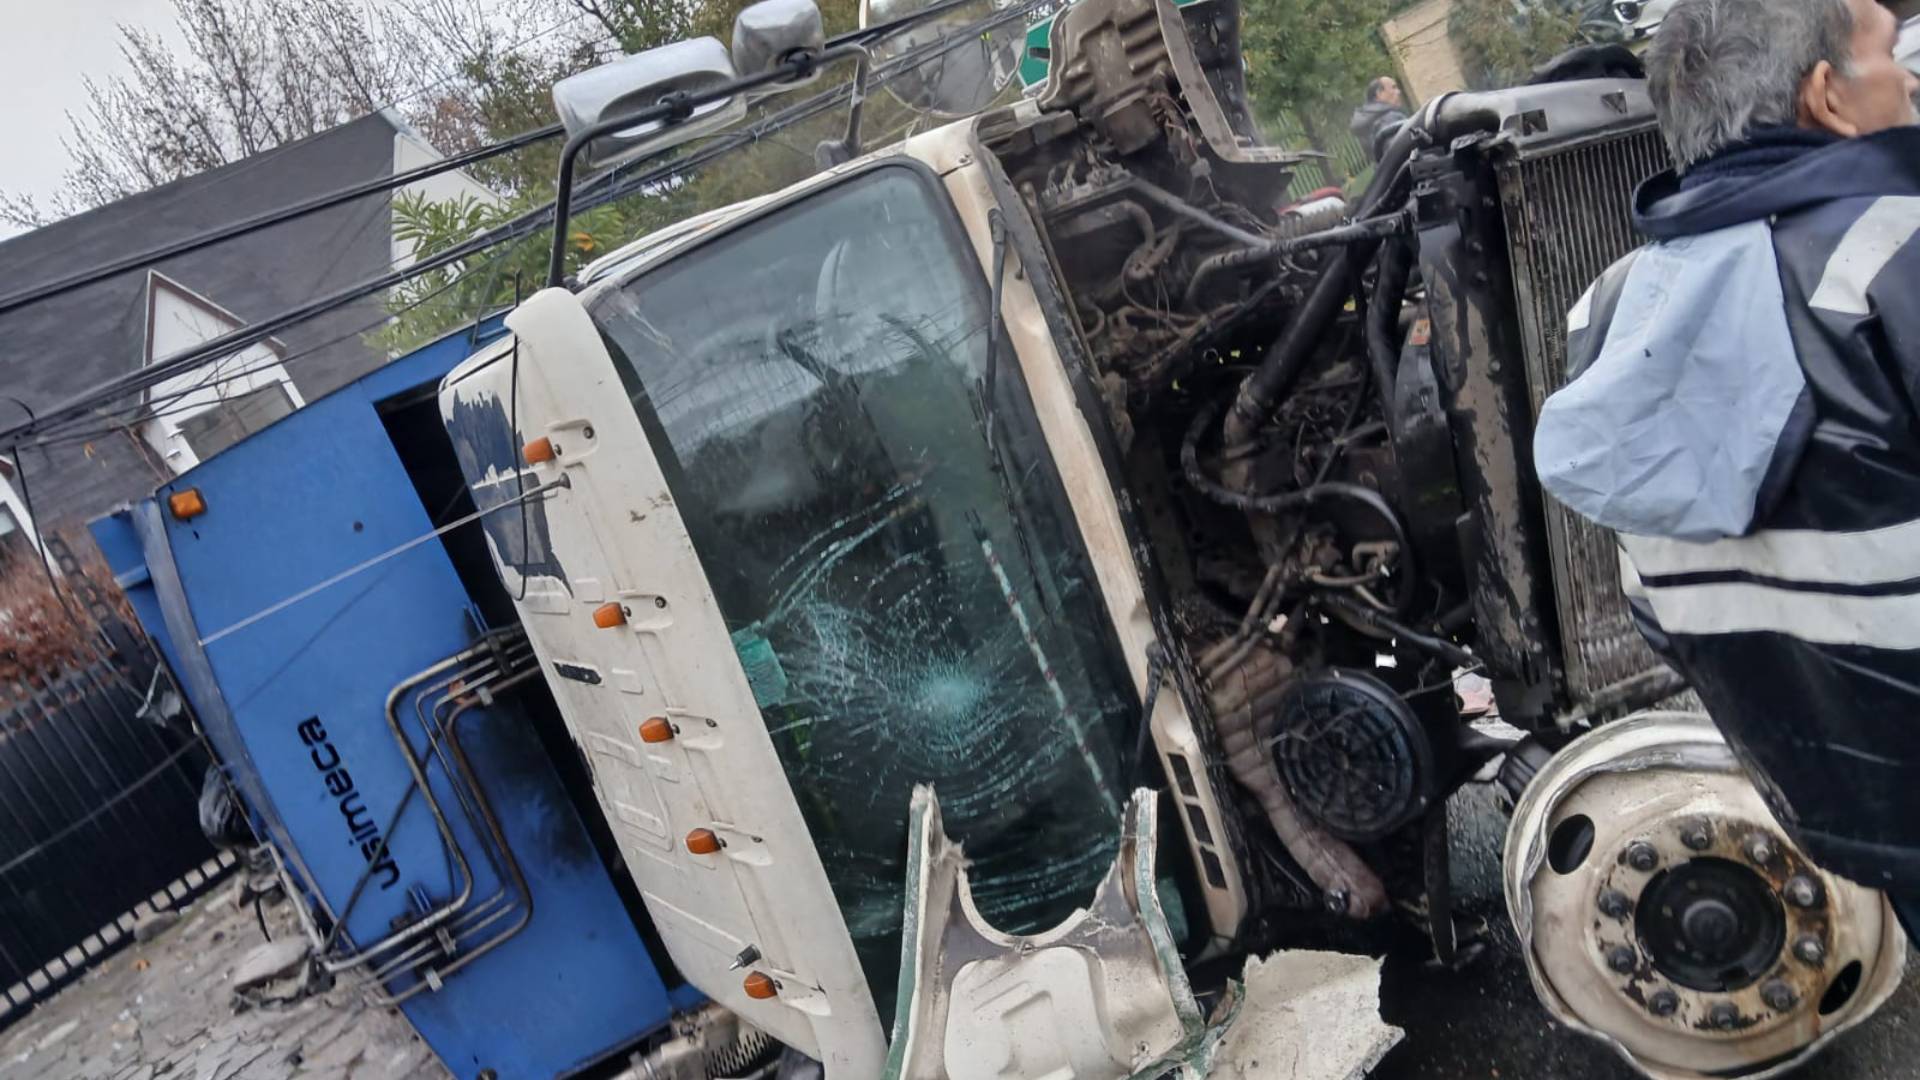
x=294 y=699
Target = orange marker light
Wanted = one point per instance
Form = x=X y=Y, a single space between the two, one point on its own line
x=187 y=505
x=656 y=729
x=538 y=450
x=608 y=616
x=702 y=842
x=760 y=986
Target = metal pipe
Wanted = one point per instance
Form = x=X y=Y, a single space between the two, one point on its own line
x=450 y=728
x=364 y=955
x=506 y=655
x=1193 y=213
x=420 y=782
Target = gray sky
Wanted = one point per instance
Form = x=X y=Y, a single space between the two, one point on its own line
x=46 y=48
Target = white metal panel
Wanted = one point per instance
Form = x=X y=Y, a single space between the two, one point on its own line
x=618 y=536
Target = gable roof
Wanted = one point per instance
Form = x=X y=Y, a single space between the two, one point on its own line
x=54 y=349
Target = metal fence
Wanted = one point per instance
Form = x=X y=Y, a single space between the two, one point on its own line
x=99 y=820
x=1346 y=163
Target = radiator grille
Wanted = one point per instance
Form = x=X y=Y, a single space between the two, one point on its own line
x=1568 y=218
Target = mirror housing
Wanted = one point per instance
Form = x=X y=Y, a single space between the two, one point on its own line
x=766 y=33
x=634 y=82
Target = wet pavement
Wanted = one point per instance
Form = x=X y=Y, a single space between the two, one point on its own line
x=1484 y=1022
x=164 y=1008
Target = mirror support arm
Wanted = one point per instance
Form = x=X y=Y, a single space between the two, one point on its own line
x=671 y=109
x=857 y=105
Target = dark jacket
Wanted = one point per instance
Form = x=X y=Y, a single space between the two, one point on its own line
x=1743 y=414
x=1372 y=122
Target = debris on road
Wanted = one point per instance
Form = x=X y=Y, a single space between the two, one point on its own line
x=168 y=1007
x=1306 y=1016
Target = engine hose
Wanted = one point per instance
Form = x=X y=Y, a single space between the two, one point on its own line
x=1288 y=229
x=1300 y=499
x=1282 y=364
x=1140 y=218
x=1213 y=659
x=1445 y=650
x=1383 y=319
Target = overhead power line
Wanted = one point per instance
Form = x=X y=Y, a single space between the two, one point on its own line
x=597 y=191
x=260 y=221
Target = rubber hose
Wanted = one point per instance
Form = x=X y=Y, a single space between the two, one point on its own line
x=1383 y=320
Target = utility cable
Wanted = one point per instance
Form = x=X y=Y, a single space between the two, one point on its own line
x=256 y=222
x=170 y=404
x=390 y=553
x=514 y=229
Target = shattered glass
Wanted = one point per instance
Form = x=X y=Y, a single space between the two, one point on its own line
x=910 y=601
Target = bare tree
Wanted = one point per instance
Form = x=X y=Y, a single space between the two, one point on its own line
x=252 y=74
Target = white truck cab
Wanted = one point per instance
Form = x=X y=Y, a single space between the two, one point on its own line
x=788 y=579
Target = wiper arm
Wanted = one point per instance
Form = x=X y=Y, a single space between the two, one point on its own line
x=997 y=229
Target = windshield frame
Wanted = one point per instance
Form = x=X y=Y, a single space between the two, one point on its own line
x=606 y=293
x=603 y=291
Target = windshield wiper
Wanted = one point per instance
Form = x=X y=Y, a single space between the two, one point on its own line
x=997 y=229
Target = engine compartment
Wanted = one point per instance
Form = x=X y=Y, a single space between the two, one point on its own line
x=1248 y=353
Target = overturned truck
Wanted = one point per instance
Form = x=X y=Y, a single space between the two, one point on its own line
x=1050 y=455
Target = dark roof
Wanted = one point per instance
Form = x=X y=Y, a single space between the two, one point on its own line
x=53 y=350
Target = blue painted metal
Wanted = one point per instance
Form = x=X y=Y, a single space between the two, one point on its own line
x=305 y=499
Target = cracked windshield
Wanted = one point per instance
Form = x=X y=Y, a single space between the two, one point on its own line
x=909 y=599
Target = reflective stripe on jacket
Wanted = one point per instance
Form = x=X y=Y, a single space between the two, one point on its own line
x=1743 y=415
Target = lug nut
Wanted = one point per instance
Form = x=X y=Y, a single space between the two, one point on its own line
x=1810 y=950
x=1803 y=892
x=1622 y=959
x=1642 y=856
x=1697 y=836
x=1723 y=1015
x=1778 y=995
x=1614 y=904
x=1759 y=849
x=1663 y=1003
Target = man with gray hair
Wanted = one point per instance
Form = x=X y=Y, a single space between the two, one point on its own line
x=1745 y=412
x=1379 y=116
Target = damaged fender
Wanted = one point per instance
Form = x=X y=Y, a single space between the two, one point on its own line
x=1103 y=994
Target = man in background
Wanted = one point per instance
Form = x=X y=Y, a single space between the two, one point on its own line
x=1745 y=412
x=1375 y=119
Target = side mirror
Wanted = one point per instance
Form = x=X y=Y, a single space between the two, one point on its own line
x=767 y=33
x=635 y=82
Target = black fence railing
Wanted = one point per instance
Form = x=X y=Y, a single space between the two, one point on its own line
x=1346 y=162
x=99 y=820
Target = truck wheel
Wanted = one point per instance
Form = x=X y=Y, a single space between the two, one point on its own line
x=1662 y=910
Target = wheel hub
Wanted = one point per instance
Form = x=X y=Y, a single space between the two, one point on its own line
x=1661 y=909
x=1711 y=924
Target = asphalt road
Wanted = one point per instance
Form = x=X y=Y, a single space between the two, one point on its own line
x=1484 y=1021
